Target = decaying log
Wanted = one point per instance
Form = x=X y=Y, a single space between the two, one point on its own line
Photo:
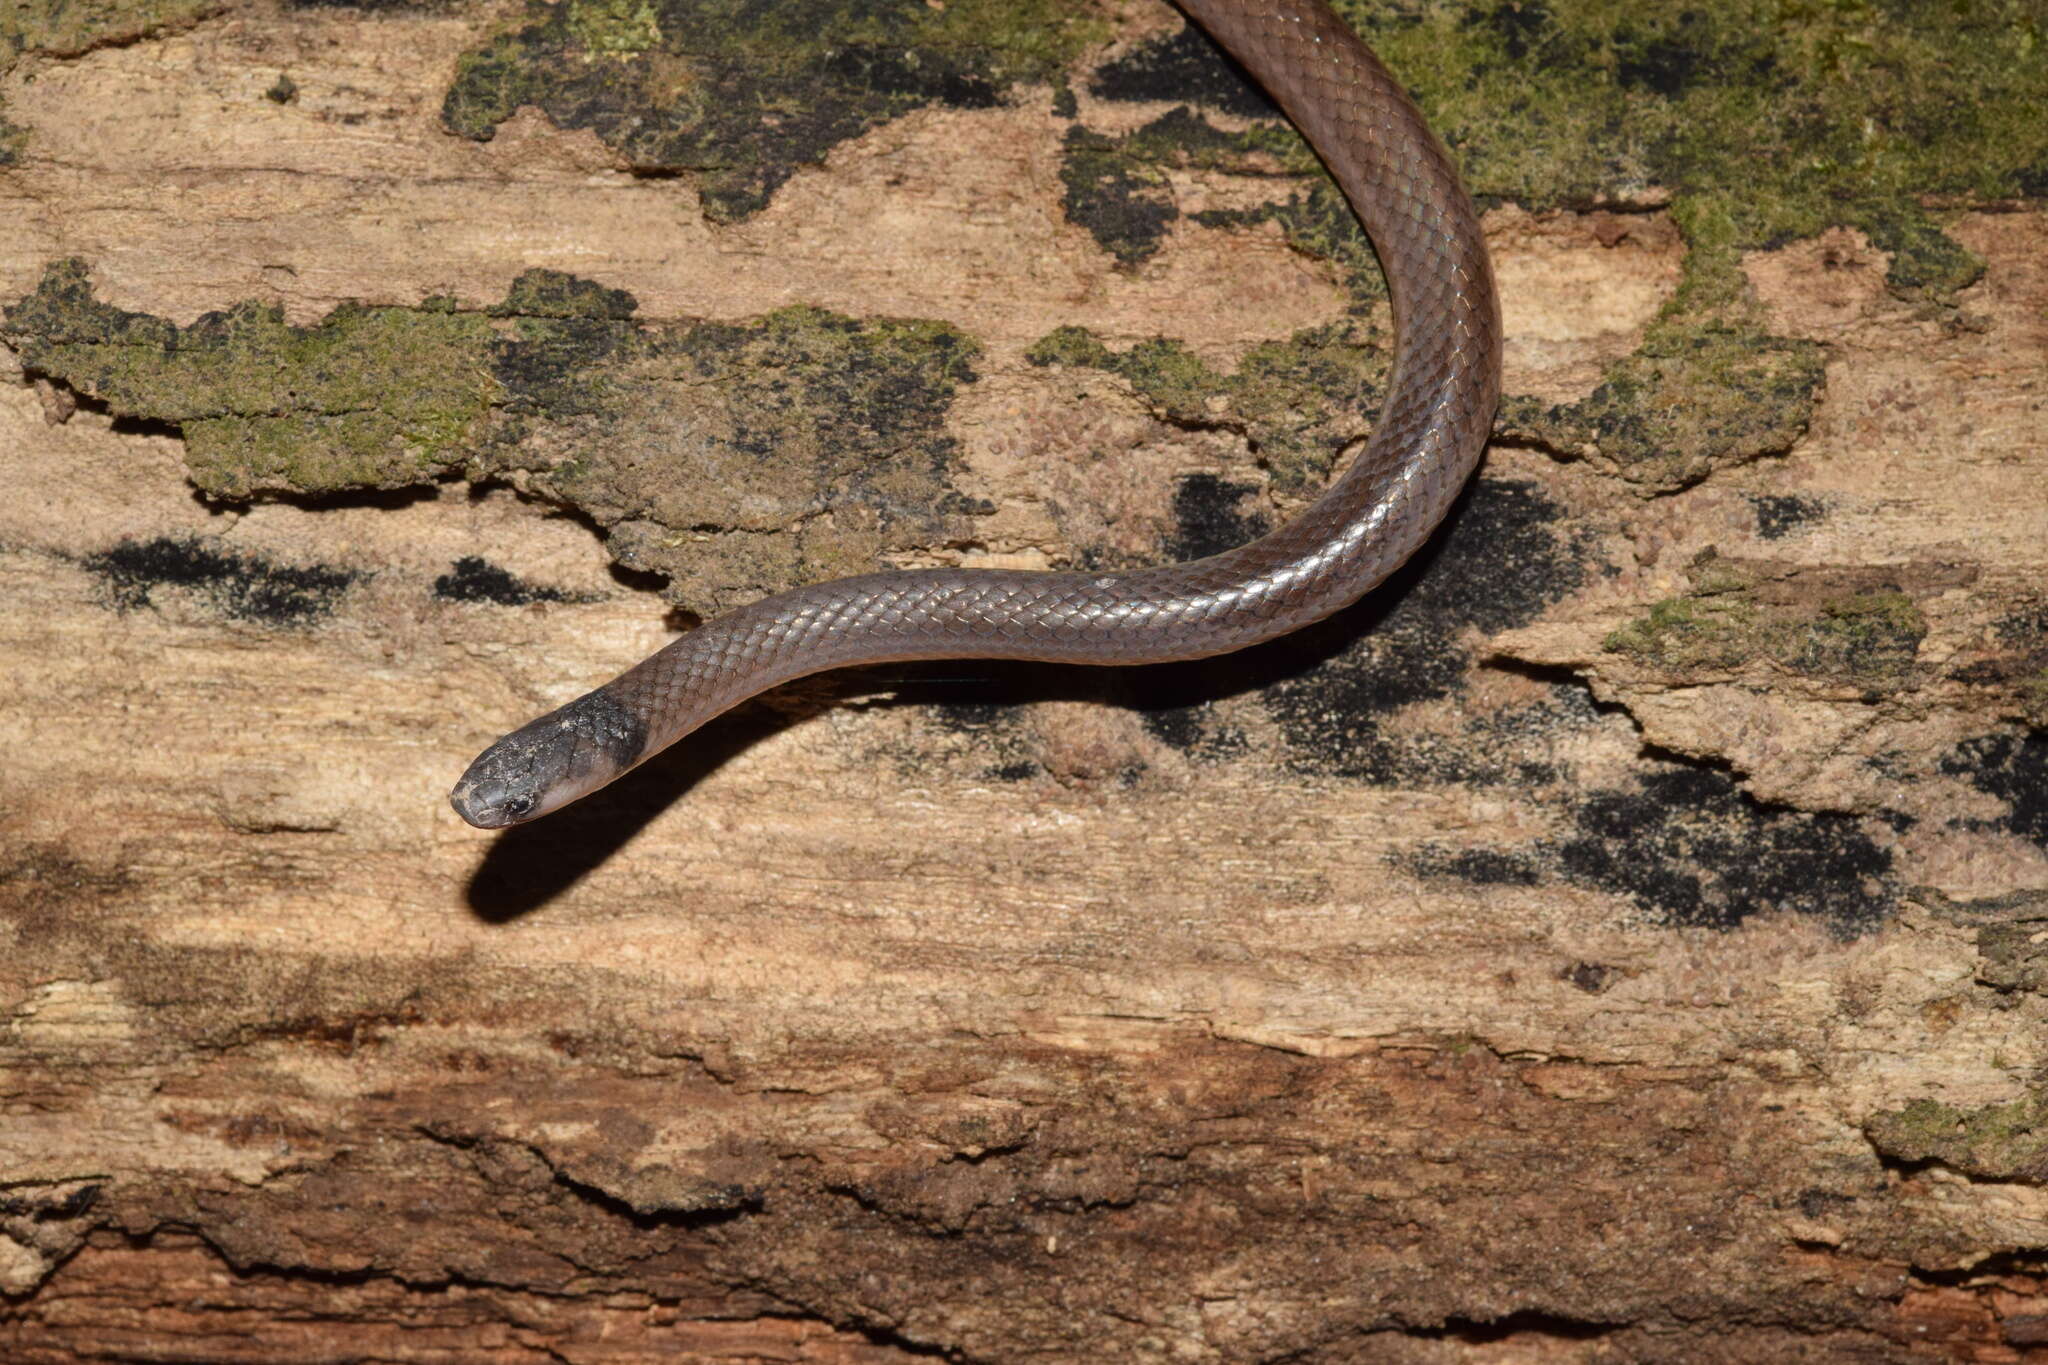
x=1625 y=937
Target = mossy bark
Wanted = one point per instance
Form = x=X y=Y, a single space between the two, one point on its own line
x=1618 y=939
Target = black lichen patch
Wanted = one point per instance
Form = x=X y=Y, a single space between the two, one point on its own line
x=1479 y=866
x=1194 y=731
x=240 y=587
x=1926 y=263
x=738 y=96
x=1118 y=188
x=1672 y=57
x=2026 y=628
x=993 y=731
x=1688 y=846
x=566 y=337
x=1125 y=204
x=1812 y=623
x=474 y=579
x=1779 y=515
x=13 y=138
x=1501 y=562
x=1297 y=401
x=1690 y=401
x=1186 y=65
x=1209 y=517
x=365 y=398
x=541 y=293
x=1333 y=687
x=741 y=458
x=2013 y=768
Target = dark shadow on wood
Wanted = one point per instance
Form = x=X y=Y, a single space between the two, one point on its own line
x=530 y=865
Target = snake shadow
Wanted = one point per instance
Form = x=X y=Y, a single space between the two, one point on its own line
x=530 y=865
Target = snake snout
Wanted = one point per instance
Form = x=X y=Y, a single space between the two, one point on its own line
x=545 y=764
x=489 y=805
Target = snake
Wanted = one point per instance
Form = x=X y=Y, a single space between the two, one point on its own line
x=1443 y=386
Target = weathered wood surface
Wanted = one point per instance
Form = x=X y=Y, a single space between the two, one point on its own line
x=1620 y=940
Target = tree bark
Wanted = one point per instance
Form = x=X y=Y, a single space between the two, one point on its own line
x=1621 y=938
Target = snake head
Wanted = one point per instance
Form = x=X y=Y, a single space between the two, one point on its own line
x=544 y=765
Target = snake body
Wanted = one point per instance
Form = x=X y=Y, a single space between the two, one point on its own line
x=1439 y=406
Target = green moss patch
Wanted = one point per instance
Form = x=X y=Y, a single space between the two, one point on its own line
x=1708 y=389
x=739 y=458
x=365 y=398
x=2033 y=700
x=66 y=28
x=1692 y=633
x=1784 y=117
x=1764 y=121
x=1298 y=400
x=1994 y=1142
x=738 y=95
x=1690 y=401
x=1774 y=118
x=1868 y=636
x=1865 y=636
x=736 y=458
